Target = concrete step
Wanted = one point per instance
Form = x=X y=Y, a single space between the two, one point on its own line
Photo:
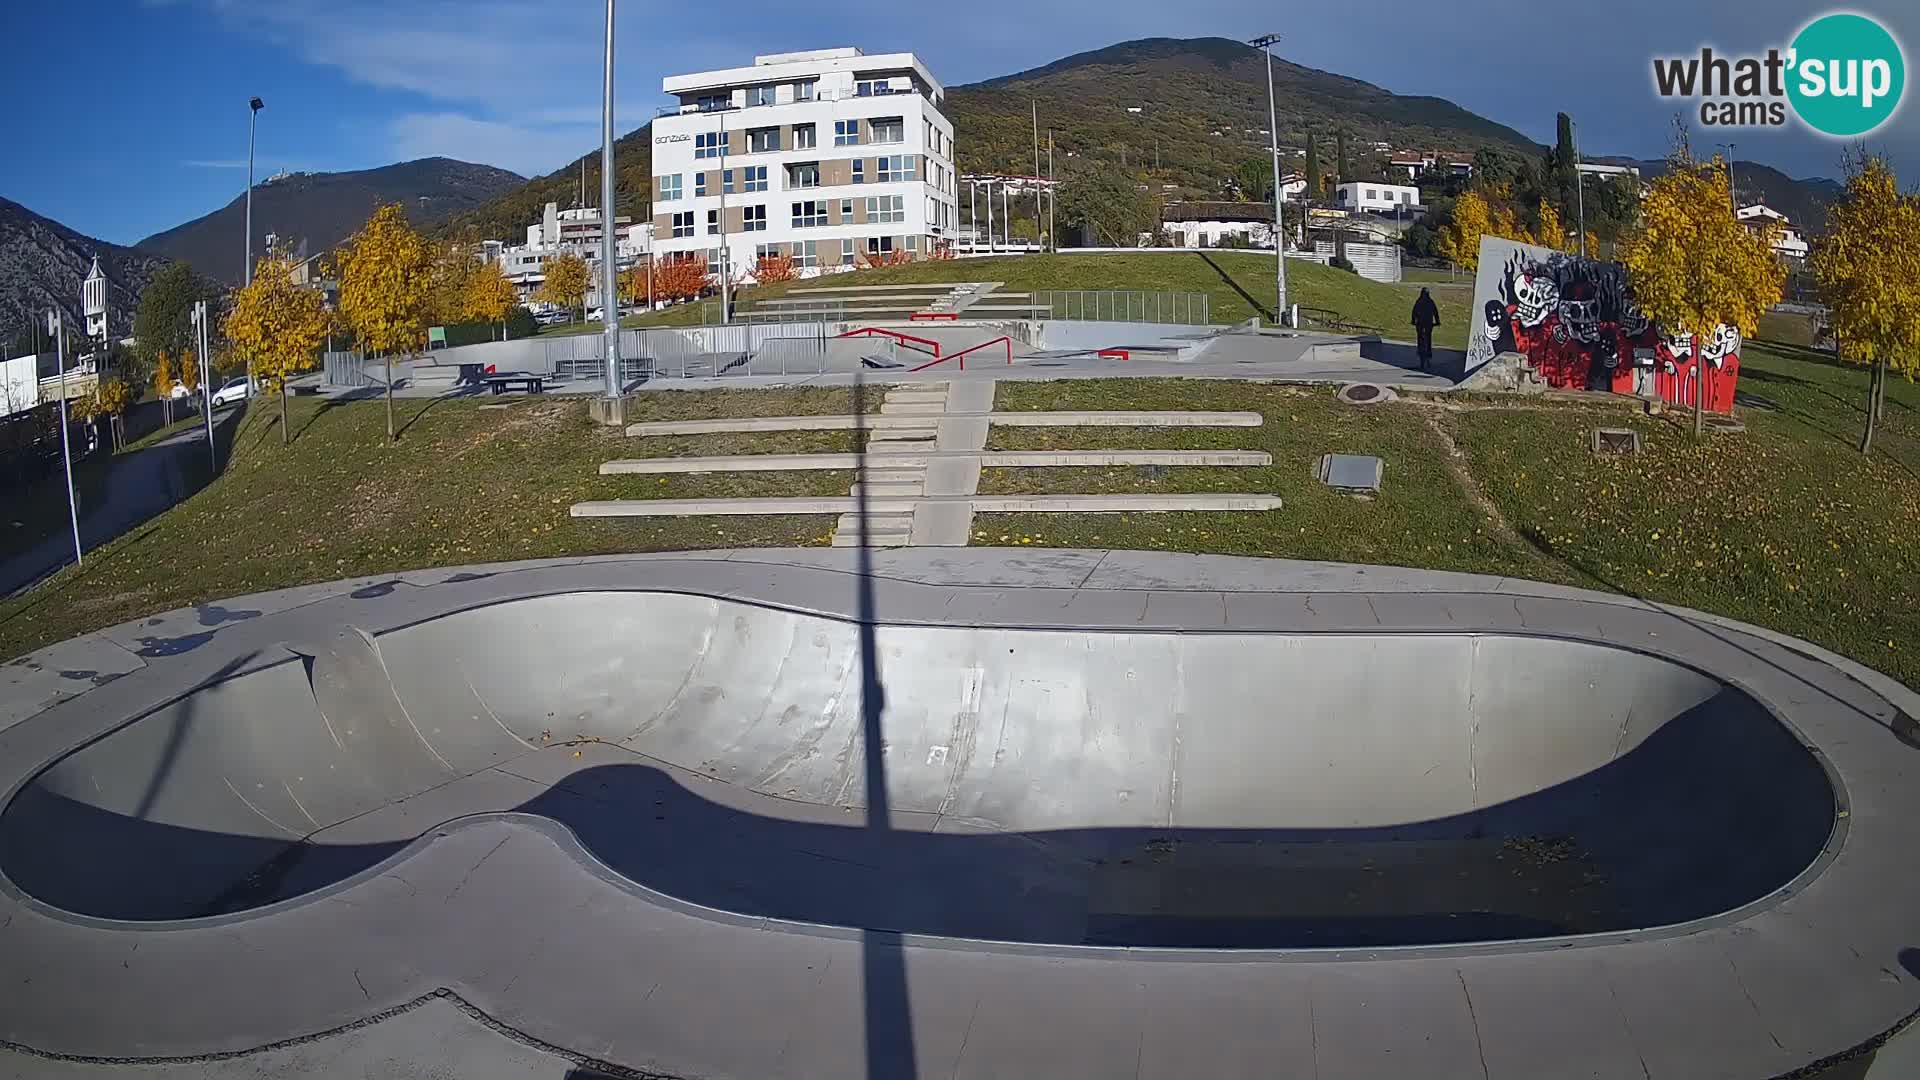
x=833 y=504
x=880 y=530
x=913 y=408
x=887 y=489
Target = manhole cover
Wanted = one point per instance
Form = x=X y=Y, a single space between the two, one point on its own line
x=1364 y=394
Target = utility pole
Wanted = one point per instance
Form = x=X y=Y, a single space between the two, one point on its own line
x=990 y=237
x=198 y=315
x=1265 y=44
x=726 y=257
x=1053 y=195
x=55 y=328
x=1038 y=228
x=609 y=255
x=1579 y=187
x=254 y=105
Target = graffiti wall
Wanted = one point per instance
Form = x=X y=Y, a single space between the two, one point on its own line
x=1575 y=320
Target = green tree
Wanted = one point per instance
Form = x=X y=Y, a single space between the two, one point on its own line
x=386 y=288
x=1560 y=168
x=1342 y=168
x=1255 y=178
x=162 y=321
x=1692 y=265
x=1108 y=207
x=1313 y=192
x=1865 y=270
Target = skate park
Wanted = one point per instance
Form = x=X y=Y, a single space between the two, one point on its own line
x=1251 y=813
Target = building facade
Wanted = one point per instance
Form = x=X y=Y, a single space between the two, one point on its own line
x=1789 y=242
x=833 y=157
x=575 y=232
x=1377 y=197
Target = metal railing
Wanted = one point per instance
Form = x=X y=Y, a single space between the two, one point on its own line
x=1119 y=305
x=822 y=310
x=819 y=95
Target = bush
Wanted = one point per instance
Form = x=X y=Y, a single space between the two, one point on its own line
x=519 y=324
x=1341 y=262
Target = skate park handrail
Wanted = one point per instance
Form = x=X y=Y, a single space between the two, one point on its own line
x=869 y=331
x=962 y=354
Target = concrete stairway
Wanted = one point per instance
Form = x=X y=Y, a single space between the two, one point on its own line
x=895 y=467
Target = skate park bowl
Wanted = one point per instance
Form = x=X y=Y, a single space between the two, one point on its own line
x=1226 y=790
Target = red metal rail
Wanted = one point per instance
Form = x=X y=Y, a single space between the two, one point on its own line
x=1115 y=354
x=962 y=354
x=869 y=331
x=934 y=316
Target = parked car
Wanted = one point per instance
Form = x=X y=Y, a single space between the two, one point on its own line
x=233 y=392
x=179 y=391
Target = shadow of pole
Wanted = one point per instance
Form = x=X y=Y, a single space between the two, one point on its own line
x=1264 y=311
x=889 y=1016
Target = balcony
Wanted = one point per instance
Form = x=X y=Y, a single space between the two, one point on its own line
x=824 y=95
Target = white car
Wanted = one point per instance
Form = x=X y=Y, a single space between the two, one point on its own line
x=233 y=393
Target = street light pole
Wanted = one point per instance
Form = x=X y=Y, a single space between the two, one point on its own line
x=254 y=105
x=726 y=257
x=66 y=453
x=609 y=264
x=1579 y=186
x=1265 y=44
x=201 y=341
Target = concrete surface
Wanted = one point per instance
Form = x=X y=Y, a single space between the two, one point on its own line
x=1130 y=814
x=892 y=422
x=992 y=459
x=883 y=506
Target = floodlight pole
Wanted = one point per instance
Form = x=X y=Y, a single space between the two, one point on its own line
x=66 y=453
x=1265 y=43
x=609 y=255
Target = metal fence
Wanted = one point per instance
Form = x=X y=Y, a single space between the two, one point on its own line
x=823 y=309
x=1120 y=305
x=346 y=369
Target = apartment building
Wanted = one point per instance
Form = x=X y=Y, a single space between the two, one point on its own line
x=575 y=232
x=831 y=156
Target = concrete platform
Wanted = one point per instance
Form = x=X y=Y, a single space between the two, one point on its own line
x=886 y=421
x=992 y=459
x=896 y=501
x=978 y=813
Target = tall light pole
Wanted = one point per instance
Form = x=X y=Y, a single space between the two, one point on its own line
x=66 y=453
x=1731 y=197
x=203 y=342
x=609 y=265
x=1579 y=186
x=254 y=105
x=1265 y=43
x=726 y=257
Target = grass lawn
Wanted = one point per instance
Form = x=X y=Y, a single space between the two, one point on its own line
x=1239 y=285
x=1786 y=525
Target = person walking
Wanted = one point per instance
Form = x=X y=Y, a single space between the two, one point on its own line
x=1426 y=316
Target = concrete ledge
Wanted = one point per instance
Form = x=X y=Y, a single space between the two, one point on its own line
x=1127 y=419
x=841 y=504
x=895 y=420
x=1002 y=459
x=1117 y=504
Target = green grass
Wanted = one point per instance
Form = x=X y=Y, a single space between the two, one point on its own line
x=1782 y=329
x=465 y=483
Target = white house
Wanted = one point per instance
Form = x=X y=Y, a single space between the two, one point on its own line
x=829 y=156
x=1790 y=242
x=1367 y=195
x=19 y=384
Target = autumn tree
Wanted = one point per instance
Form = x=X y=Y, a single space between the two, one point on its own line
x=680 y=279
x=109 y=402
x=163 y=382
x=773 y=269
x=881 y=260
x=190 y=371
x=162 y=322
x=1693 y=266
x=490 y=297
x=453 y=268
x=1869 y=279
x=386 y=281
x=636 y=284
x=566 y=283
x=1476 y=215
x=279 y=325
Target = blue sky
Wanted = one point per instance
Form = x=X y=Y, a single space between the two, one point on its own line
x=157 y=134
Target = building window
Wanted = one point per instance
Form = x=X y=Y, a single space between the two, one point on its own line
x=713 y=223
x=760 y=95
x=846 y=133
x=888 y=129
x=887 y=208
x=897 y=167
x=714 y=102
x=700 y=185
x=806 y=254
x=879 y=245
x=754 y=219
x=669 y=188
x=810 y=214
x=769 y=251
x=859 y=171
x=804 y=176
x=846 y=210
x=803 y=137
x=708 y=144
x=872 y=87
x=683 y=224
x=846 y=250
x=755 y=178
x=717 y=261
x=913 y=243
x=763 y=140
x=805 y=91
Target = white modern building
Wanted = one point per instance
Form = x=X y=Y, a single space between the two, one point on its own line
x=574 y=232
x=1377 y=197
x=1789 y=241
x=831 y=156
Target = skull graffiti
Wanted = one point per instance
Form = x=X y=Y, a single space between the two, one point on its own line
x=1536 y=296
x=1722 y=343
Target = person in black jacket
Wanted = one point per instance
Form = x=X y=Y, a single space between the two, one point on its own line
x=1426 y=316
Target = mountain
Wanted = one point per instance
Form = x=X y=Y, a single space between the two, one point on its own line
x=1186 y=89
x=318 y=210
x=1804 y=202
x=1202 y=113
x=42 y=263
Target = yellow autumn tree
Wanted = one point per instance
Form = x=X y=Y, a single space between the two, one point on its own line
x=280 y=325
x=566 y=283
x=190 y=372
x=1869 y=278
x=386 y=283
x=454 y=268
x=163 y=382
x=1692 y=265
x=1476 y=215
x=490 y=296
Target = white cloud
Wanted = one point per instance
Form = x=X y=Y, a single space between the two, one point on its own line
x=526 y=149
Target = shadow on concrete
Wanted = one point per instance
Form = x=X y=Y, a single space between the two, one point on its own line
x=1449 y=363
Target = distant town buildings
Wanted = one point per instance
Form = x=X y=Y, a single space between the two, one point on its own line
x=832 y=157
x=1789 y=242
x=1378 y=197
x=575 y=232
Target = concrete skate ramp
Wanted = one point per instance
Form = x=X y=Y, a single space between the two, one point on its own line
x=1204 y=790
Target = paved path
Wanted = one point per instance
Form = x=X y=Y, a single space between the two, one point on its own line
x=511 y=915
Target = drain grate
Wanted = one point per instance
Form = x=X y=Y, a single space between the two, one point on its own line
x=1358 y=473
x=1364 y=394
x=1616 y=441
